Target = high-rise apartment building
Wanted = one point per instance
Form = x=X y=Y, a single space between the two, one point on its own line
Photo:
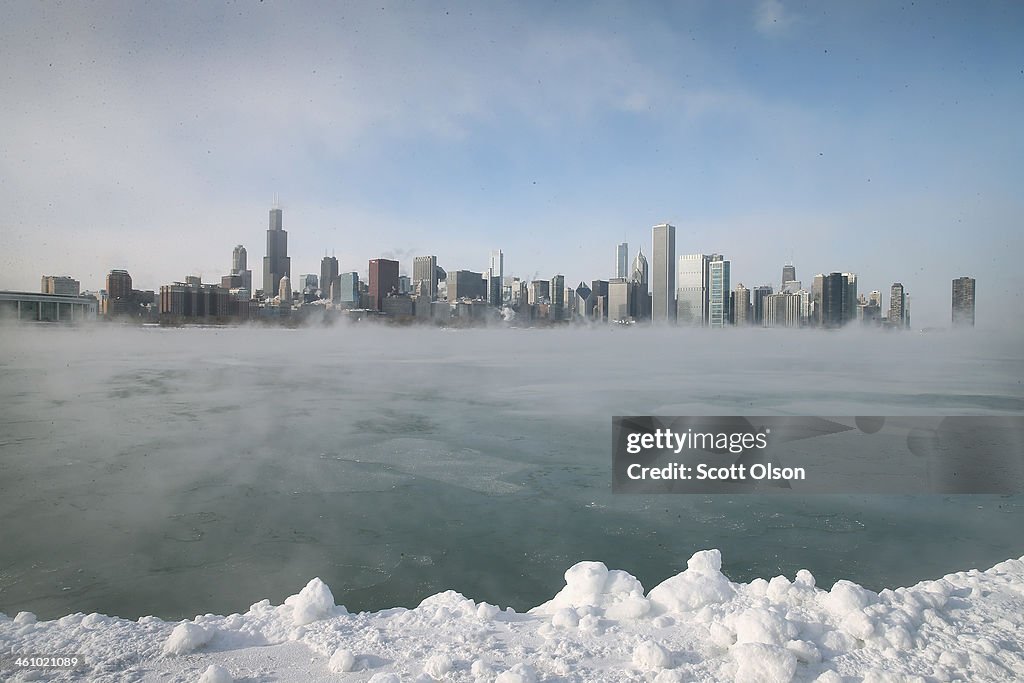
x=382 y=281
x=663 y=279
x=276 y=264
x=540 y=292
x=718 y=291
x=759 y=304
x=119 y=299
x=850 y=298
x=897 y=306
x=741 y=306
x=963 y=302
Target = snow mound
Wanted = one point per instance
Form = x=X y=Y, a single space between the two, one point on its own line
x=314 y=602
x=591 y=588
x=186 y=637
x=216 y=674
x=696 y=626
x=701 y=584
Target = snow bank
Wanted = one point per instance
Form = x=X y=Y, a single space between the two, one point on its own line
x=601 y=626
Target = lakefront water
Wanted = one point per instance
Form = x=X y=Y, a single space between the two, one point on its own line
x=183 y=471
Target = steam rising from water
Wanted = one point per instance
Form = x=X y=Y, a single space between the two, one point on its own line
x=184 y=470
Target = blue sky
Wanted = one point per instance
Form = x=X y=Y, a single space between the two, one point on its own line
x=878 y=138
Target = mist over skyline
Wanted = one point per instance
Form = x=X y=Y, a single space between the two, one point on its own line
x=869 y=138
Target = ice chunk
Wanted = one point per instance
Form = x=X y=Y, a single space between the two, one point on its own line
x=701 y=584
x=763 y=626
x=847 y=596
x=314 y=602
x=520 y=673
x=649 y=656
x=616 y=594
x=760 y=663
x=341 y=661
x=216 y=674
x=438 y=666
x=186 y=637
x=565 y=617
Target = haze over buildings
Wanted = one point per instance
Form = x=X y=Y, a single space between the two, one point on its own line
x=562 y=132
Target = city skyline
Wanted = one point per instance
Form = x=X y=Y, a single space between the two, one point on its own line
x=871 y=139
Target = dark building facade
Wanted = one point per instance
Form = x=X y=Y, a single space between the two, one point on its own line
x=834 y=294
x=382 y=281
x=195 y=300
x=276 y=264
x=329 y=285
x=466 y=284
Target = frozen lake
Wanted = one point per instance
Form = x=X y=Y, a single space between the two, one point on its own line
x=184 y=471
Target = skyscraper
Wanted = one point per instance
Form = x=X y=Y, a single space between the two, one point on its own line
x=556 y=289
x=692 y=290
x=663 y=280
x=599 y=297
x=619 y=296
x=788 y=274
x=622 y=260
x=276 y=263
x=963 y=302
x=238 y=259
x=284 y=293
x=240 y=268
x=833 y=294
x=382 y=281
x=640 y=271
x=641 y=304
x=329 y=286
x=759 y=304
x=741 y=303
x=424 y=277
x=718 y=291
x=495 y=277
x=850 y=298
x=897 y=306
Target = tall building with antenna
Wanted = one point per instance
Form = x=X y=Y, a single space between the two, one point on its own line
x=276 y=264
x=329 y=285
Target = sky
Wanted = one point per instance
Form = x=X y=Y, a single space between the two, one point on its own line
x=882 y=139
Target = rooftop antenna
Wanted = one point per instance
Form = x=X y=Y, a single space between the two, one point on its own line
x=277 y=201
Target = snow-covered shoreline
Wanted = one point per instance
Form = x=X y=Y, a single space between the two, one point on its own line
x=602 y=626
